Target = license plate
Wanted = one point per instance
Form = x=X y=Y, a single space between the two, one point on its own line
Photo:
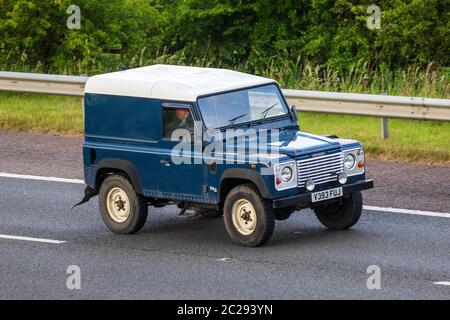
x=326 y=194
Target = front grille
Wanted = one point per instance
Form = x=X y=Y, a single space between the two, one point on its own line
x=321 y=169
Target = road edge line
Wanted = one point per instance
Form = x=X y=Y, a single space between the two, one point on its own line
x=10 y=237
x=39 y=178
x=408 y=211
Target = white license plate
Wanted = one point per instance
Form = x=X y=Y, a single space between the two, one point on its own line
x=326 y=194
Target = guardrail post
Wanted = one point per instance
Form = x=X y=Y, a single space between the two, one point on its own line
x=384 y=128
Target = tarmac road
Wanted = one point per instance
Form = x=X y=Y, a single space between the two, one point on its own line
x=188 y=257
x=182 y=257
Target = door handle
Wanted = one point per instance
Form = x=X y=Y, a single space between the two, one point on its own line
x=165 y=162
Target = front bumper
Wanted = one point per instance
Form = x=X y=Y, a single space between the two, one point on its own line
x=305 y=198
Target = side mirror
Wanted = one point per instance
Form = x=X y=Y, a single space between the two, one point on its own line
x=294 y=112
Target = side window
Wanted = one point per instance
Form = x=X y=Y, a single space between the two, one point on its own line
x=177 y=118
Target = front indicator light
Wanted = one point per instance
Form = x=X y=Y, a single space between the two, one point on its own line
x=361 y=164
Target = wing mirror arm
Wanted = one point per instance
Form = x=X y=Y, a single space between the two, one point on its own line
x=294 y=113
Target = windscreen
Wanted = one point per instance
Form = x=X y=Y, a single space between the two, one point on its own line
x=246 y=105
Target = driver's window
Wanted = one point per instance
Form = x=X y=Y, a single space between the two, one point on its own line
x=177 y=118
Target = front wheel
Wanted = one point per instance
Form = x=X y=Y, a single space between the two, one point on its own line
x=248 y=217
x=341 y=215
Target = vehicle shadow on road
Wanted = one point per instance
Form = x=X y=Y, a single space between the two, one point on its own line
x=202 y=230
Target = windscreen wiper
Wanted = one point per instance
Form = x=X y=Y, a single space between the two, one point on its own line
x=266 y=111
x=233 y=120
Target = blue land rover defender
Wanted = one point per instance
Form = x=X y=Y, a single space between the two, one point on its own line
x=216 y=141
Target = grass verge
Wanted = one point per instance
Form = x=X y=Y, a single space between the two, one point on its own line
x=41 y=113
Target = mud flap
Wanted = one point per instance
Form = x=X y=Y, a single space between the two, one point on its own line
x=88 y=194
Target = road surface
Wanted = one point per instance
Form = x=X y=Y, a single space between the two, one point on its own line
x=188 y=257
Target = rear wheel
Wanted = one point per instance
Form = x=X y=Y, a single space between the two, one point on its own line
x=341 y=215
x=248 y=217
x=122 y=209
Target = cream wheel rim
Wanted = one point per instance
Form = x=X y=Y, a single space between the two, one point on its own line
x=244 y=216
x=118 y=205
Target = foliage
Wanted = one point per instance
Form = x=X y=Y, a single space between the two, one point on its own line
x=33 y=34
x=283 y=38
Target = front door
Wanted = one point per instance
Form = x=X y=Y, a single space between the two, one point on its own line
x=181 y=168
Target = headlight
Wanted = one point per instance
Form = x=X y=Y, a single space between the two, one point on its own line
x=349 y=161
x=354 y=162
x=286 y=174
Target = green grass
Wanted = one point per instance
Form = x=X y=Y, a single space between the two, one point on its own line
x=430 y=82
x=41 y=113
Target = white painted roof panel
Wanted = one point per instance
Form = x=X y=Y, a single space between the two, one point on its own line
x=168 y=82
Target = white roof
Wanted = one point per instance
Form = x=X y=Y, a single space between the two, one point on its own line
x=171 y=82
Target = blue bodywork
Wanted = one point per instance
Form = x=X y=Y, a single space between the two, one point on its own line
x=127 y=132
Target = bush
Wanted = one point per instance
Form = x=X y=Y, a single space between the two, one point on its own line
x=330 y=38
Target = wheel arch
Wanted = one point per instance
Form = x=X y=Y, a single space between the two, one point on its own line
x=236 y=176
x=111 y=165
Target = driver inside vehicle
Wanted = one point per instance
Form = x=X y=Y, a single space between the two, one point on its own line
x=179 y=118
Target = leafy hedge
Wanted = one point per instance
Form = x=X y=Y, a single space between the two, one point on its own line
x=248 y=35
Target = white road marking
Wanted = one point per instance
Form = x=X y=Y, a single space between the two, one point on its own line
x=40 y=178
x=442 y=283
x=407 y=211
x=5 y=236
x=370 y=208
x=223 y=259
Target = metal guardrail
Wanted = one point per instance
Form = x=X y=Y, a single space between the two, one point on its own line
x=382 y=106
x=370 y=104
x=42 y=83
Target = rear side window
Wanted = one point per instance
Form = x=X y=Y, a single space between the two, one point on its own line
x=177 y=118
